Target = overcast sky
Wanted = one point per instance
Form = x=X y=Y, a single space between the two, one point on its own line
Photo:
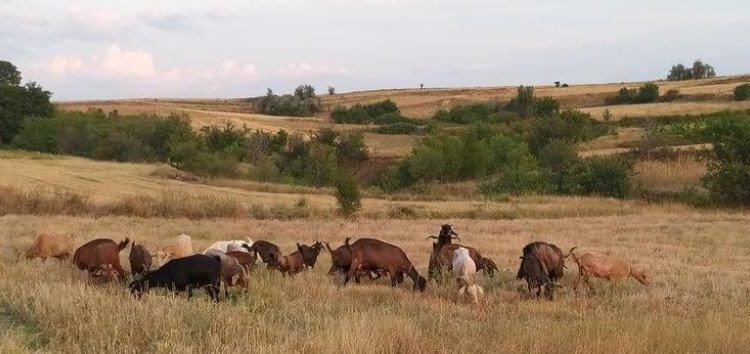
x=139 y=48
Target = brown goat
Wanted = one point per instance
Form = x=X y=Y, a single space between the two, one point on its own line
x=47 y=245
x=341 y=259
x=92 y=255
x=369 y=254
x=266 y=250
x=291 y=264
x=446 y=235
x=140 y=259
x=245 y=259
x=550 y=257
x=607 y=267
x=310 y=253
x=442 y=258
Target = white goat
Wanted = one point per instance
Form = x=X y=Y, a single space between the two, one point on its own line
x=464 y=269
x=229 y=246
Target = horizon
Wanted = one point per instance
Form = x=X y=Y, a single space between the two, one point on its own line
x=87 y=51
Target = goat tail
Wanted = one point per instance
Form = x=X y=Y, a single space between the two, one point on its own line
x=575 y=258
x=346 y=243
x=431 y=236
x=327 y=246
x=570 y=252
x=123 y=244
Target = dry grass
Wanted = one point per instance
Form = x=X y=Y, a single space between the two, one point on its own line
x=121 y=187
x=670 y=175
x=665 y=109
x=699 y=262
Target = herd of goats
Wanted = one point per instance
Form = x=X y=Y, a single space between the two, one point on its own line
x=231 y=262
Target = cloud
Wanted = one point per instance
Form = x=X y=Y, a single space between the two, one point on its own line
x=166 y=20
x=304 y=70
x=95 y=19
x=64 y=65
x=135 y=63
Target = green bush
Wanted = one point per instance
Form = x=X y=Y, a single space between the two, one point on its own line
x=608 y=176
x=518 y=180
x=383 y=112
x=742 y=92
x=729 y=161
x=490 y=112
x=347 y=195
x=397 y=128
x=568 y=126
x=649 y=92
x=19 y=101
x=302 y=103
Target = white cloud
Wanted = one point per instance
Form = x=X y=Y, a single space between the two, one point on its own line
x=135 y=63
x=304 y=69
x=64 y=65
x=95 y=19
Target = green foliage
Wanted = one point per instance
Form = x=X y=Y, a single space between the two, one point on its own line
x=347 y=195
x=608 y=176
x=742 y=92
x=490 y=112
x=523 y=103
x=728 y=175
x=383 y=112
x=699 y=70
x=9 y=74
x=568 y=126
x=19 y=101
x=302 y=103
x=331 y=90
x=397 y=128
x=516 y=180
x=649 y=92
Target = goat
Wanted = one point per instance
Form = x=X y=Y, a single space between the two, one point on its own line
x=291 y=264
x=608 y=267
x=310 y=253
x=369 y=254
x=266 y=250
x=232 y=273
x=92 y=255
x=464 y=269
x=182 y=246
x=183 y=274
x=48 y=245
x=140 y=259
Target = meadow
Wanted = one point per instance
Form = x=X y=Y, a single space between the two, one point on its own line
x=699 y=300
x=697 y=303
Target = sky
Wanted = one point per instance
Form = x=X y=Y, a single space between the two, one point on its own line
x=187 y=48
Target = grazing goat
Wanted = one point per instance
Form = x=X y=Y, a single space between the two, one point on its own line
x=232 y=273
x=341 y=259
x=224 y=246
x=182 y=246
x=291 y=264
x=140 y=259
x=181 y=274
x=245 y=259
x=266 y=250
x=310 y=253
x=442 y=257
x=464 y=269
x=92 y=255
x=536 y=277
x=48 y=245
x=550 y=256
x=370 y=254
x=608 y=267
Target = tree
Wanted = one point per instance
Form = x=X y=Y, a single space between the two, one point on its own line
x=19 y=101
x=348 y=196
x=305 y=92
x=729 y=161
x=699 y=70
x=331 y=90
x=9 y=74
x=523 y=102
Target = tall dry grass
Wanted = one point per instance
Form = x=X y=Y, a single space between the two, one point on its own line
x=673 y=175
x=698 y=302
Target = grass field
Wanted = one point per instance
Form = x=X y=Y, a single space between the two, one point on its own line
x=697 y=303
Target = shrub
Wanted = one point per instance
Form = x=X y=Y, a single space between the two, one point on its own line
x=608 y=176
x=671 y=95
x=569 y=126
x=624 y=96
x=523 y=103
x=649 y=92
x=742 y=92
x=520 y=180
x=383 y=112
x=397 y=128
x=546 y=106
x=301 y=104
x=489 y=112
x=348 y=196
x=729 y=160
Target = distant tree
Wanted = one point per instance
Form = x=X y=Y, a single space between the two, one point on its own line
x=18 y=102
x=305 y=92
x=331 y=90
x=564 y=85
x=9 y=74
x=421 y=86
x=699 y=70
x=557 y=83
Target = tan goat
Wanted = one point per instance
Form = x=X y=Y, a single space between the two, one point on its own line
x=47 y=245
x=612 y=268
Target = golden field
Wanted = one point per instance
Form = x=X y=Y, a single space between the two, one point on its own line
x=697 y=303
